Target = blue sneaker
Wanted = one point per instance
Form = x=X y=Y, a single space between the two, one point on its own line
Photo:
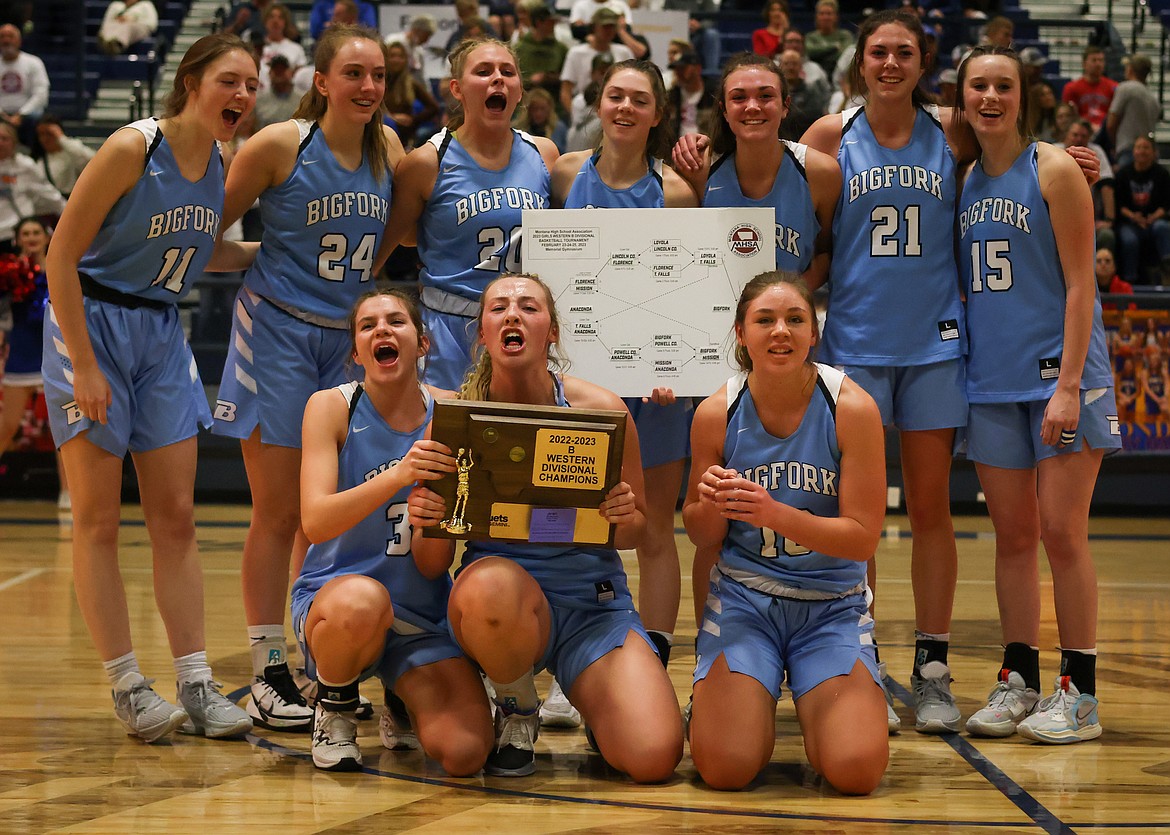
x=1064 y=717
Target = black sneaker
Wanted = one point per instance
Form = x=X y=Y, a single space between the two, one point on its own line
x=277 y=704
x=514 y=754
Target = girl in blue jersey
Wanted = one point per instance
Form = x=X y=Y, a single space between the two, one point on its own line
x=323 y=180
x=461 y=196
x=140 y=225
x=360 y=605
x=626 y=171
x=788 y=481
x=1043 y=411
x=745 y=163
x=517 y=608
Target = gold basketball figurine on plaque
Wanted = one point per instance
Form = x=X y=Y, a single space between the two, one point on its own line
x=457 y=524
x=527 y=473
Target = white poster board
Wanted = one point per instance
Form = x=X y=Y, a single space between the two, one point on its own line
x=646 y=297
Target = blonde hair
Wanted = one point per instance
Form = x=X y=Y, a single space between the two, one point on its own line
x=314 y=105
x=478 y=381
x=458 y=59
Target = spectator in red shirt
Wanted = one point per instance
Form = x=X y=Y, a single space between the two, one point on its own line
x=767 y=41
x=1092 y=93
x=1108 y=281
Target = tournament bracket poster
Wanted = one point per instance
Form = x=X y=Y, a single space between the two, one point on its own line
x=647 y=297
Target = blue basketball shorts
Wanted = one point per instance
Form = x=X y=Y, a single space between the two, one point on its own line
x=916 y=397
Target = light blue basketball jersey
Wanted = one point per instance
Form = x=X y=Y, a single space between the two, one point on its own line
x=589 y=191
x=322 y=228
x=1015 y=290
x=797 y=226
x=379 y=545
x=801 y=471
x=469 y=231
x=573 y=576
x=158 y=237
x=894 y=286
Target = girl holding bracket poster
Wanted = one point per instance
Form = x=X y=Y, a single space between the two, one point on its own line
x=516 y=607
x=626 y=172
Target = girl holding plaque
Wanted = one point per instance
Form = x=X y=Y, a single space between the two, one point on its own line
x=360 y=605
x=517 y=607
x=788 y=597
x=626 y=171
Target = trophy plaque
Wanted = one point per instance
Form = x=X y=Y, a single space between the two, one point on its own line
x=527 y=473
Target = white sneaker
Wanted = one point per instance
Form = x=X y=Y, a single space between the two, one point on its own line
x=1068 y=715
x=935 y=711
x=557 y=711
x=145 y=714
x=335 y=745
x=394 y=725
x=1008 y=703
x=277 y=704
x=211 y=714
x=893 y=722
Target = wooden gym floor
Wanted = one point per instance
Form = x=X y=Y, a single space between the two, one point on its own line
x=65 y=764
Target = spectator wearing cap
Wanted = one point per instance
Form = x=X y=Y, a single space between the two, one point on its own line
x=826 y=43
x=1033 y=61
x=691 y=100
x=539 y=54
x=468 y=13
x=415 y=39
x=24 y=86
x=126 y=22
x=278 y=101
x=1134 y=111
x=575 y=74
x=321 y=15
x=948 y=84
x=585 y=124
x=582 y=11
x=1092 y=93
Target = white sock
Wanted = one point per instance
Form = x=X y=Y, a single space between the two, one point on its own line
x=267 y=646
x=518 y=696
x=193 y=667
x=123 y=671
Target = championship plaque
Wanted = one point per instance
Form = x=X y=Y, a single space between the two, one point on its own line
x=527 y=473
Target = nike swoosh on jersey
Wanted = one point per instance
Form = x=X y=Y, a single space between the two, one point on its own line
x=357 y=429
x=308 y=161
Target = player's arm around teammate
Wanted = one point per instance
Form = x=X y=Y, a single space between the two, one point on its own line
x=119 y=374
x=797 y=554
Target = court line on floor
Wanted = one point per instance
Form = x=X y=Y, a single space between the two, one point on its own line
x=1014 y=793
x=886 y=534
x=1008 y=787
x=20 y=578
